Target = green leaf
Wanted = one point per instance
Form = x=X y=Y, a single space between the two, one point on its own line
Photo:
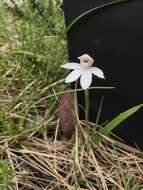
x=77 y=19
x=114 y=123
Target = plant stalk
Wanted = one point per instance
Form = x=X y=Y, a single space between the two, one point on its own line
x=87 y=106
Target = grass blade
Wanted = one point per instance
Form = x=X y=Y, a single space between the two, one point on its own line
x=114 y=123
x=77 y=19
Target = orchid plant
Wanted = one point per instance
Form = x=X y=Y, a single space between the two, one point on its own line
x=83 y=70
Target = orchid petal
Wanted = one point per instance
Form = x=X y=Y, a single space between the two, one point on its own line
x=98 y=72
x=71 y=66
x=86 y=79
x=73 y=76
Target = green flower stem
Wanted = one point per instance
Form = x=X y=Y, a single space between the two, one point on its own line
x=76 y=102
x=87 y=106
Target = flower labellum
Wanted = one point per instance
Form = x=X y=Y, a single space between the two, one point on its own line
x=84 y=71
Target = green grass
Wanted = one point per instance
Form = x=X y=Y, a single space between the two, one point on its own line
x=36 y=48
x=6 y=175
x=33 y=154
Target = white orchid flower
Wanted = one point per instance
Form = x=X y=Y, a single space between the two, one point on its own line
x=84 y=71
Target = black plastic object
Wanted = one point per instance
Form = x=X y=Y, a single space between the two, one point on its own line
x=113 y=36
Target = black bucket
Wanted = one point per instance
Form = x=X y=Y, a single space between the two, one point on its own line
x=113 y=36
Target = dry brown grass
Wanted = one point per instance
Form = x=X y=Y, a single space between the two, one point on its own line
x=48 y=163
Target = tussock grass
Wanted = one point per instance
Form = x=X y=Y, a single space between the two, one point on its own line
x=34 y=154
